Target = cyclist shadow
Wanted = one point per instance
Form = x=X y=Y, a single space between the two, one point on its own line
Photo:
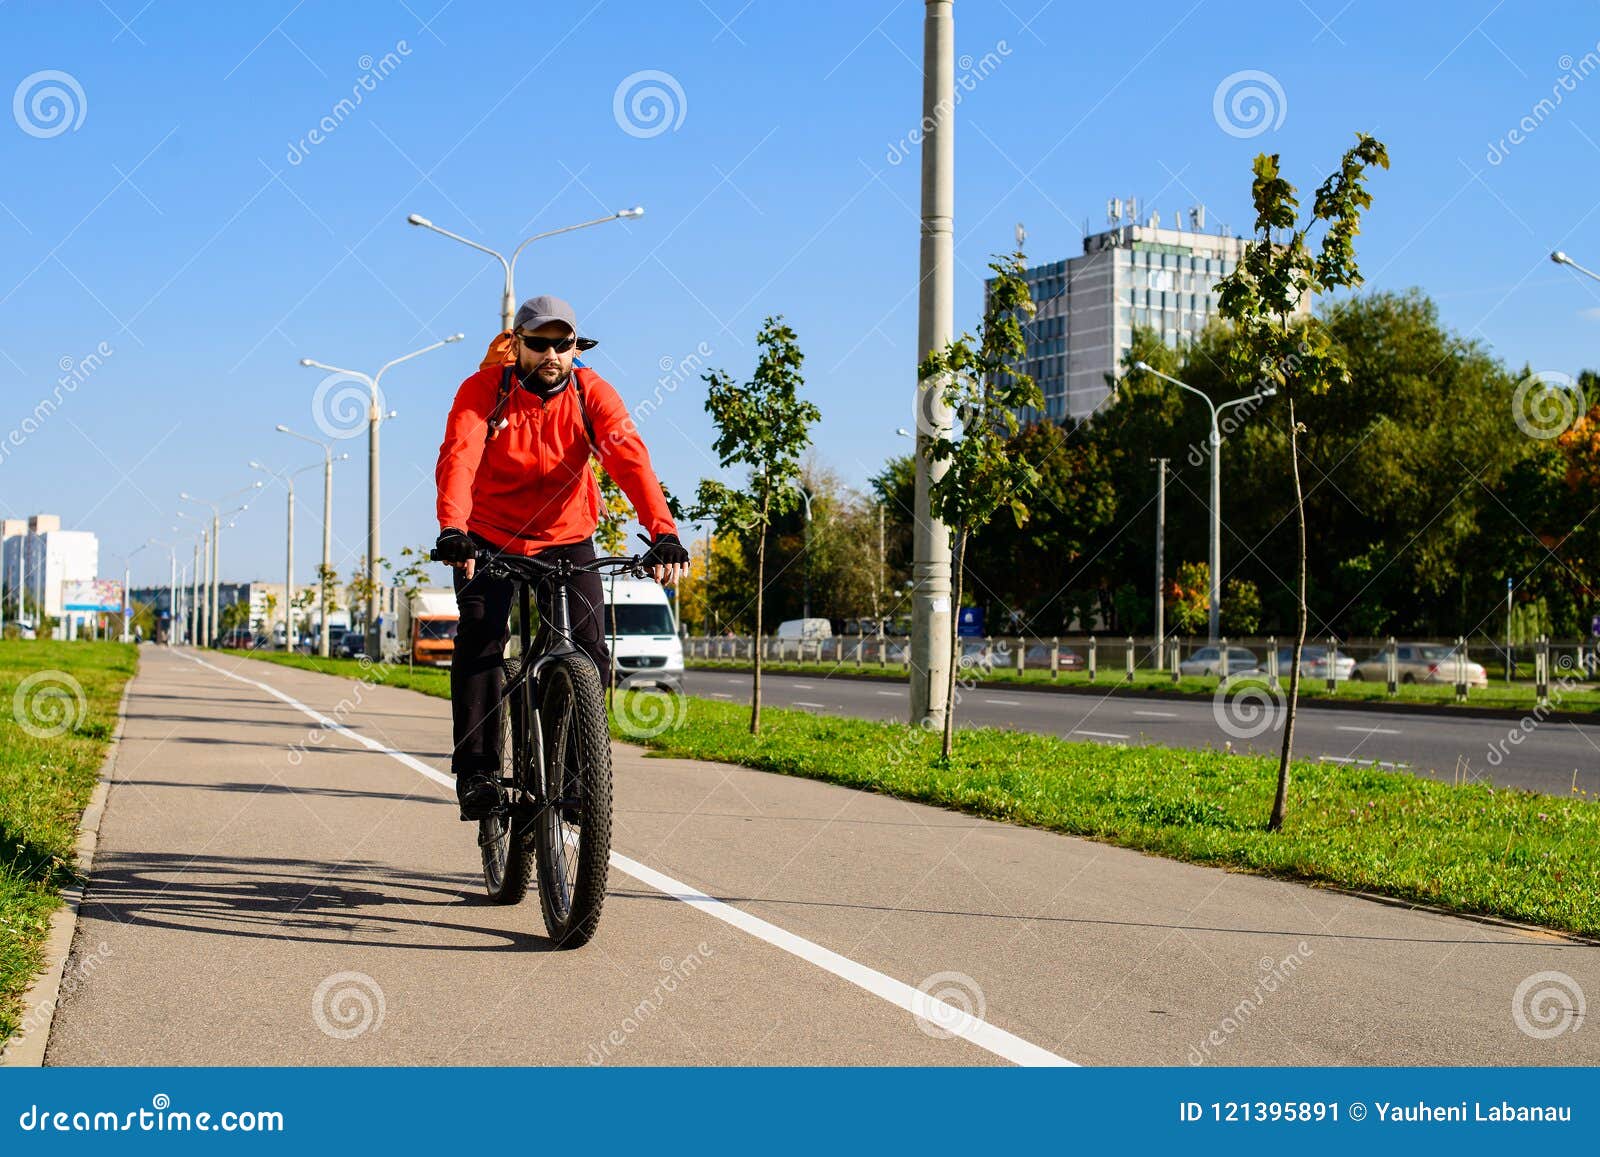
x=357 y=902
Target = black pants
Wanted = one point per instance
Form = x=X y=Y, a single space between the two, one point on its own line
x=485 y=628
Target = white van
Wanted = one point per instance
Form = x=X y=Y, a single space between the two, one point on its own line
x=805 y=629
x=642 y=636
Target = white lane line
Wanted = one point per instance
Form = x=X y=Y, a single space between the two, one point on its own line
x=1369 y=730
x=1100 y=734
x=805 y=687
x=1002 y=702
x=1158 y=714
x=807 y=703
x=948 y=1017
x=890 y=694
x=720 y=695
x=1364 y=762
x=918 y=1003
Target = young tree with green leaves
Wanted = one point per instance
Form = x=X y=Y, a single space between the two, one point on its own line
x=984 y=389
x=1277 y=344
x=765 y=426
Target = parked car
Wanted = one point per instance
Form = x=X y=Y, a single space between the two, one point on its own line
x=1208 y=661
x=1314 y=662
x=805 y=629
x=1420 y=663
x=1038 y=658
x=352 y=645
x=240 y=639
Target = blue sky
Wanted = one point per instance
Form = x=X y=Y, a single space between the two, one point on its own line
x=185 y=220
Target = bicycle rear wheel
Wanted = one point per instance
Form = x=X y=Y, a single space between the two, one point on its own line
x=507 y=864
x=572 y=833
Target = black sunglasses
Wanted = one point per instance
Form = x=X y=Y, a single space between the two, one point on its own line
x=541 y=345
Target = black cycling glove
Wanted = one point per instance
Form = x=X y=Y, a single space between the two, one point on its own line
x=454 y=546
x=665 y=550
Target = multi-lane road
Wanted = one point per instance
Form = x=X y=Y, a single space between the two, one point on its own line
x=1550 y=756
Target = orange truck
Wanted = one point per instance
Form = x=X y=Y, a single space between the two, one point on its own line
x=424 y=629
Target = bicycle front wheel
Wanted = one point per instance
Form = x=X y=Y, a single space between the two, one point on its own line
x=572 y=834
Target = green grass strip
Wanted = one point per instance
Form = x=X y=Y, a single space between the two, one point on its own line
x=58 y=711
x=1476 y=849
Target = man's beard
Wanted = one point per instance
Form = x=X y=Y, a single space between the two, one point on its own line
x=534 y=382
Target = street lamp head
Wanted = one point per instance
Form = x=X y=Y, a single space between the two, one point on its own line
x=636 y=211
x=455 y=337
x=305 y=361
x=392 y=414
x=184 y=494
x=419 y=219
x=902 y=431
x=1559 y=257
x=1269 y=392
x=1143 y=367
x=343 y=457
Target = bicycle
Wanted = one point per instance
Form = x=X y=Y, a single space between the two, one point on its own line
x=554 y=819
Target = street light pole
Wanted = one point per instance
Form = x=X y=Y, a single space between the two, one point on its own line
x=1561 y=258
x=328 y=459
x=287 y=477
x=212 y=609
x=931 y=613
x=1215 y=593
x=1161 y=560
x=508 y=297
x=805 y=602
x=127 y=571
x=375 y=417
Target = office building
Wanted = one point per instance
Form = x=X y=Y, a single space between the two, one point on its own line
x=1147 y=274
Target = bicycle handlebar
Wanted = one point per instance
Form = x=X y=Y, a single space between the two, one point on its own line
x=536 y=569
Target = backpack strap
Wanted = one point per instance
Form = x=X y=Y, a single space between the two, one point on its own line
x=497 y=421
x=583 y=410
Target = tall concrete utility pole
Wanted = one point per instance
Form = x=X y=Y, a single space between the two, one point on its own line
x=931 y=615
x=1161 y=562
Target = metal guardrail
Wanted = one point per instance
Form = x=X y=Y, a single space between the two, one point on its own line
x=1123 y=659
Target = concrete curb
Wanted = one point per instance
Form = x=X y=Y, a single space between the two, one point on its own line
x=1119 y=691
x=27 y=1048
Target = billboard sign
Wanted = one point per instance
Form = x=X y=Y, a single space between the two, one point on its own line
x=92 y=595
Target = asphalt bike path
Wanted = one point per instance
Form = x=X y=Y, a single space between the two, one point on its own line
x=270 y=889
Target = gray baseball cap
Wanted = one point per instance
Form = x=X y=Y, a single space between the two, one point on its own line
x=543 y=310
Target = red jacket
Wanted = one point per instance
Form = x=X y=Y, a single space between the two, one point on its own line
x=531 y=487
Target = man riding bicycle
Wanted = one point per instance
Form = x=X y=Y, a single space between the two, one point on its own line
x=513 y=476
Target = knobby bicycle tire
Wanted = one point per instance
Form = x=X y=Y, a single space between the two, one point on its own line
x=507 y=860
x=572 y=833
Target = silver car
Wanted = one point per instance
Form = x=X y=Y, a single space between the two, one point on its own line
x=1208 y=661
x=1420 y=663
